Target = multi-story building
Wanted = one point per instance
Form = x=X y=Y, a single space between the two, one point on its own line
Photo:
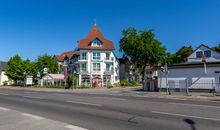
x=94 y=62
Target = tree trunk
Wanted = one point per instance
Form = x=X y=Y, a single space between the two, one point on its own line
x=144 y=76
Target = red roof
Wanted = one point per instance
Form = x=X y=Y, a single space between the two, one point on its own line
x=95 y=33
x=67 y=54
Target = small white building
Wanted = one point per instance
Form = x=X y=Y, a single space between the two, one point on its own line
x=3 y=77
x=194 y=74
x=53 y=79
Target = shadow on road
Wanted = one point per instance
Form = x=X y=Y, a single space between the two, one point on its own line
x=191 y=123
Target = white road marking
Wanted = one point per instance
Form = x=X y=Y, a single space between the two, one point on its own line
x=32 y=116
x=4 y=94
x=121 y=99
x=182 y=115
x=4 y=109
x=73 y=127
x=85 y=103
x=33 y=97
x=196 y=105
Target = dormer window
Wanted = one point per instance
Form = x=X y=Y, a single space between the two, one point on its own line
x=96 y=42
x=199 y=54
x=207 y=53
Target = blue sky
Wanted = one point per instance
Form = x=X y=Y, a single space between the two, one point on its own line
x=34 y=27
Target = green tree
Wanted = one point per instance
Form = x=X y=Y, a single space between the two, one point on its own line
x=15 y=69
x=180 y=56
x=46 y=61
x=183 y=53
x=216 y=48
x=142 y=48
x=71 y=81
x=28 y=67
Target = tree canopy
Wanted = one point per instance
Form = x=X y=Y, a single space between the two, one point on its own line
x=142 y=48
x=46 y=61
x=180 y=56
x=17 y=68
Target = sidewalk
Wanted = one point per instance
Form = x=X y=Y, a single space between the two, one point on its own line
x=128 y=91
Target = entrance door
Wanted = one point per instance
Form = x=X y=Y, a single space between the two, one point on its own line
x=96 y=82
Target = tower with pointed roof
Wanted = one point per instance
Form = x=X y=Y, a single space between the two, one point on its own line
x=97 y=63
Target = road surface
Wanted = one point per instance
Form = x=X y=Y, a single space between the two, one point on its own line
x=36 y=110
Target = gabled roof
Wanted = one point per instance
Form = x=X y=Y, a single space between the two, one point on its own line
x=206 y=47
x=3 y=65
x=67 y=54
x=95 y=33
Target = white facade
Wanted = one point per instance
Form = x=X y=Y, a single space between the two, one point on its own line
x=195 y=77
x=3 y=78
x=105 y=66
x=195 y=74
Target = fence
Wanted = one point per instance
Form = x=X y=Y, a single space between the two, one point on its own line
x=184 y=86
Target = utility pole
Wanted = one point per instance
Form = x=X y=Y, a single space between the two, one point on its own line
x=91 y=67
x=166 y=72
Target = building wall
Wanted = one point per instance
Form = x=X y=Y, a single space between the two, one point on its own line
x=214 y=55
x=89 y=61
x=196 y=78
x=3 y=77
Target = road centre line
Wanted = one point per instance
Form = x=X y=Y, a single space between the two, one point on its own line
x=32 y=116
x=33 y=97
x=196 y=105
x=73 y=127
x=85 y=103
x=4 y=109
x=182 y=115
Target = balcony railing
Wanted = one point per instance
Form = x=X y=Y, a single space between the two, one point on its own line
x=108 y=59
x=109 y=71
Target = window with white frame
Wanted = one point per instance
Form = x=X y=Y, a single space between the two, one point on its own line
x=96 y=66
x=107 y=56
x=96 y=56
x=83 y=69
x=84 y=56
x=96 y=42
x=107 y=67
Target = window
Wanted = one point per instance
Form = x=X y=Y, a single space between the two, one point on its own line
x=107 y=67
x=83 y=68
x=96 y=56
x=96 y=66
x=207 y=53
x=83 y=56
x=107 y=56
x=199 y=54
x=96 y=42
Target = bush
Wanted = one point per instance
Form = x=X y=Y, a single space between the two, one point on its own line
x=83 y=86
x=55 y=87
x=125 y=83
x=5 y=83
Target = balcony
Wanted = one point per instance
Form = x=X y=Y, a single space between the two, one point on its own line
x=80 y=60
x=109 y=60
x=108 y=72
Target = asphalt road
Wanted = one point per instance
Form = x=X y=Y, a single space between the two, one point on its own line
x=25 y=109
